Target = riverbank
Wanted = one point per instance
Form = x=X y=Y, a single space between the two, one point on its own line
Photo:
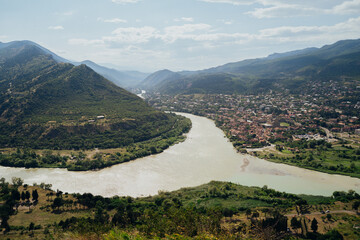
x=337 y=157
x=94 y=159
x=206 y=155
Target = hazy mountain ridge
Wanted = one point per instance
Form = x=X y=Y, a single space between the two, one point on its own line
x=277 y=71
x=125 y=79
x=158 y=78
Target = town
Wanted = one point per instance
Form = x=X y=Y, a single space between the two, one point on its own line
x=324 y=116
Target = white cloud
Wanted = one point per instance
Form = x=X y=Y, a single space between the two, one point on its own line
x=173 y=33
x=132 y=35
x=67 y=13
x=124 y=1
x=184 y=19
x=285 y=8
x=347 y=7
x=205 y=36
x=56 y=27
x=282 y=10
x=196 y=32
x=227 y=22
x=85 y=42
x=233 y=2
x=343 y=30
x=113 y=20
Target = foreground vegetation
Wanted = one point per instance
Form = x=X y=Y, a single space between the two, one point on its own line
x=96 y=159
x=217 y=210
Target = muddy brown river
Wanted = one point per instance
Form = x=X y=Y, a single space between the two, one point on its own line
x=205 y=155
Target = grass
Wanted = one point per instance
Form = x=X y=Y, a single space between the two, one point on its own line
x=339 y=159
x=42 y=213
x=284 y=124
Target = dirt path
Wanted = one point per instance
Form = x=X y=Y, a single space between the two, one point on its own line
x=319 y=213
x=271 y=147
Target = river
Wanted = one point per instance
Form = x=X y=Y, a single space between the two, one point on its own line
x=205 y=155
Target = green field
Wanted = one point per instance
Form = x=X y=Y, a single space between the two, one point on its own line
x=341 y=157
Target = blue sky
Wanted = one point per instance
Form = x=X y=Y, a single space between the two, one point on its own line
x=150 y=35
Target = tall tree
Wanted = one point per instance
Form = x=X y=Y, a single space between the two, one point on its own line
x=314 y=225
x=35 y=195
x=295 y=223
x=27 y=195
x=15 y=195
x=23 y=196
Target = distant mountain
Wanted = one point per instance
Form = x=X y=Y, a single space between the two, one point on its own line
x=125 y=79
x=289 y=70
x=46 y=104
x=290 y=62
x=157 y=78
x=291 y=53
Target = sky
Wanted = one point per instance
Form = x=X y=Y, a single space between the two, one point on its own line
x=150 y=35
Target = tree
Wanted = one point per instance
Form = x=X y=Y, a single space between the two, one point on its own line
x=248 y=212
x=23 y=196
x=35 y=195
x=15 y=195
x=295 y=223
x=314 y=225
x=17 y=182
x=31 y=226
x=27 y=195
x=356 y=205
x=58 y=202
x=59 y=193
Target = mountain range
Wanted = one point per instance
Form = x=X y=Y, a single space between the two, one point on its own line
x=279 y=71
x=124 y=79
x=47 y=103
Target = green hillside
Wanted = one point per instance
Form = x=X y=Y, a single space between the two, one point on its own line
x=217 y=210
x=291 y=71
x=45 y=104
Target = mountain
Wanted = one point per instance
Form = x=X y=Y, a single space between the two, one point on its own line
x=291 y=62
x=46 y=104
x=20 y=44
x=289 y=70
x=291 y=53
x=125 y=79
x=158 y=78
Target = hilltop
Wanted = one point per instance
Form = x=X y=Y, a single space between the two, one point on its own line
x=47 y=104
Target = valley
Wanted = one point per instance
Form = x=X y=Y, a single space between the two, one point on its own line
x=279 y=135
